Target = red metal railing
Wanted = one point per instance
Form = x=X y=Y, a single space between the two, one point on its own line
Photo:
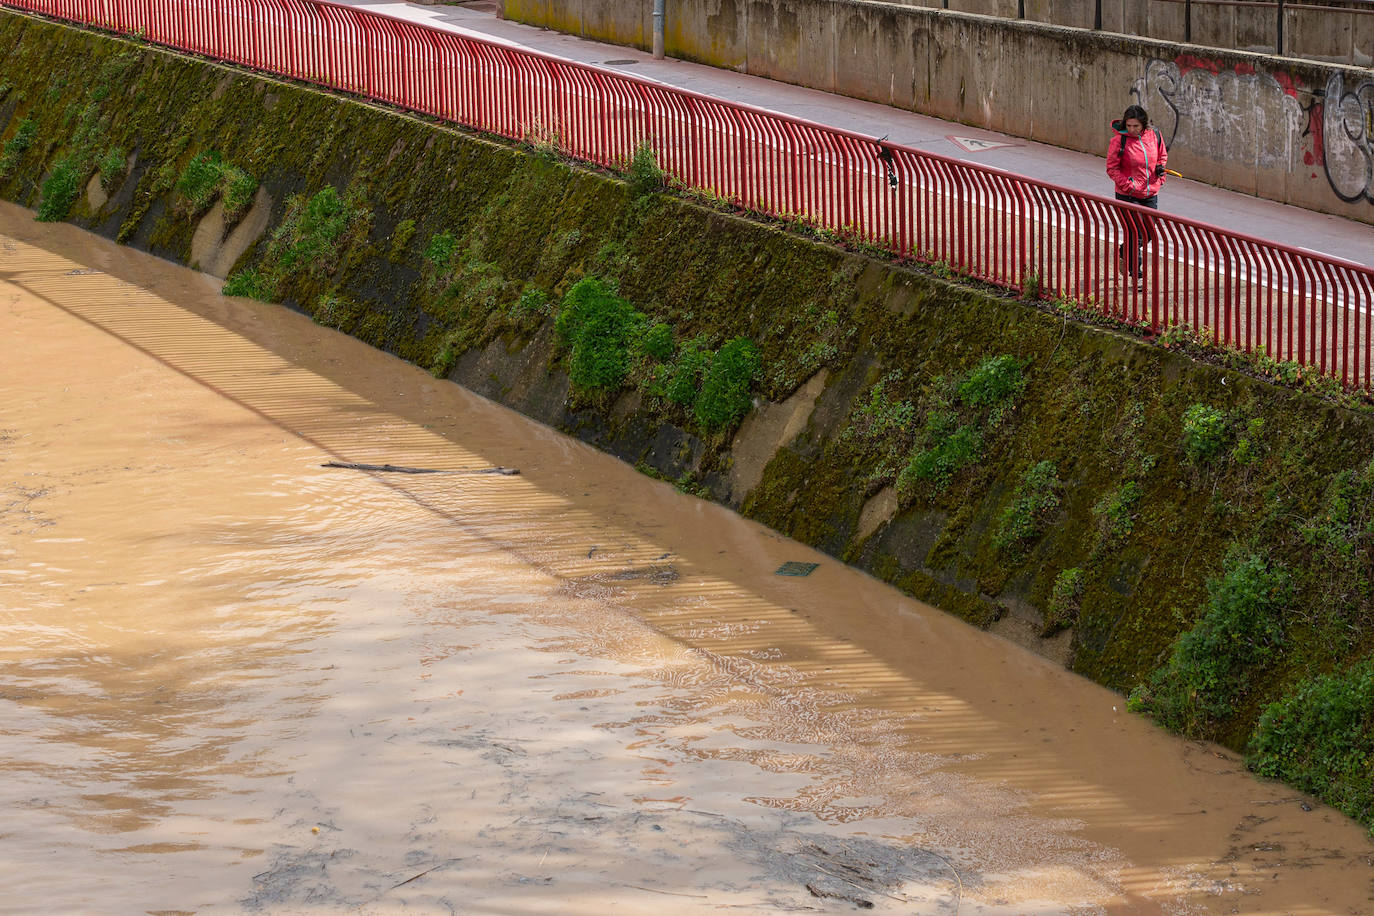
x=991 y=225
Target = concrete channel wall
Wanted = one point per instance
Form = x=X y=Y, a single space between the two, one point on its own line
x=1295 y=131
x=1337 y=31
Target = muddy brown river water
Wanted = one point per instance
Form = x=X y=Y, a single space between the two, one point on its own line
x=233 y=680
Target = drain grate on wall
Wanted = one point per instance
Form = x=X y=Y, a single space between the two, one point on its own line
x=793 y=568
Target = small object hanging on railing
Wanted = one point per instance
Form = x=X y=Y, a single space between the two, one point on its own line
x=885 y=154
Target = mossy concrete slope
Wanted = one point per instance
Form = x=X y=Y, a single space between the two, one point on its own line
x=1071 y=486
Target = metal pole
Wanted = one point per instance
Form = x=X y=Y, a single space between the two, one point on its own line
x=1278 y=40
x=658 y=29
x=1097 y=15
x=1187 y=20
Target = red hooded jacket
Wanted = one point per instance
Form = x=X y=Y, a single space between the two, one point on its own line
x=1132 y=161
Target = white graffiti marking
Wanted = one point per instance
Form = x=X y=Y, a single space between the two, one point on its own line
x=1225 y=116
x=1348 y=139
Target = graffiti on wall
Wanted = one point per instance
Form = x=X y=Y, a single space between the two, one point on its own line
x=1346 y=140
x=1237 y=114
x=1229 y=115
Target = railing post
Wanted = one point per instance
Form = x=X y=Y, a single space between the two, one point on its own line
x=1187 y=20
x=1097 y=15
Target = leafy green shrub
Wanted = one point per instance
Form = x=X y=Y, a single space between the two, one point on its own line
x=597 y=327
x=725 y=392
x=1116 y=514
x=1213 y=663
x=17 y=145
x=681 y=381
x=644 y=175
x=657 y=341
x=993 y=382
x=1065 y=601
x=1320 y=738
x=1035 y=501
x=1206 y=432
x=60 y=190
x=439 y=251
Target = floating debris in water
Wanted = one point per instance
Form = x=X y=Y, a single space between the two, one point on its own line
x=793 y=568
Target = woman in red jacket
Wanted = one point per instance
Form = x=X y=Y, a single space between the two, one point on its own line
x=1136 y=158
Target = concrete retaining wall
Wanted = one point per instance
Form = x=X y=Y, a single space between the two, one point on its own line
x=1284 y=129
x=1329 y=33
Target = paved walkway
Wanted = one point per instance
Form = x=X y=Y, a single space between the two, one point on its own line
x=1316 y=232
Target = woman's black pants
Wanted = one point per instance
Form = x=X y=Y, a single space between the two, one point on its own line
x=1140 y=231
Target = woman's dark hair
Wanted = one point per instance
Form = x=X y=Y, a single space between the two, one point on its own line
x=1135 y=111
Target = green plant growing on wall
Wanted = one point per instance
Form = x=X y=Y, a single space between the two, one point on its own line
x=239 y=188
x=959 y=415
x=598 y=328
x=199 y=183
x=1214 y=663
x=944 y=448
x=206 y=178
x=314 y=231
x=534 y=301
x=252 y=283
x=111 y=166
x=446 y=358
x=885 y=425
x=16 y=146
x=1206 y=434
x=726 y=390
x=994 y=383
x=1032 y=507
x=1066 y=599
x=1116 y=514
x=60 y=190
x=544 y=142
x=1320 y=738
x=680 y=380
x=656 y=342
x=1339 y=542
x=440 y=250
x=642 y=171
x=1250 y=445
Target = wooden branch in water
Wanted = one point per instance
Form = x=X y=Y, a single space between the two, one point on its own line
x=397 y=469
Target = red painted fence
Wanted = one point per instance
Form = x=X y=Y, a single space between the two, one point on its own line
x=1008 y=230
